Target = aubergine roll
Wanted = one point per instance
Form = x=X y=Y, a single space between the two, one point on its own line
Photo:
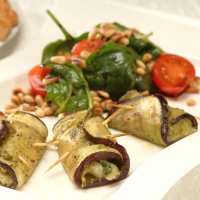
x=18 y=157
x=151 y=118
x=93 y=159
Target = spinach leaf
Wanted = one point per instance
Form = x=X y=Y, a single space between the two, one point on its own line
x=64 y=45
x=54 y=48
x=144 y=45
x=111 y=69
x=71 y=93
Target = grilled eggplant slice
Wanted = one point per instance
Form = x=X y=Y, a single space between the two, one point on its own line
x=151 y=118
x=18 y=157
x=93 y=160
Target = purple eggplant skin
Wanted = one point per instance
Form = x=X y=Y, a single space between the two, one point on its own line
x=12 y=174
x=166 y=123
x=4 y=126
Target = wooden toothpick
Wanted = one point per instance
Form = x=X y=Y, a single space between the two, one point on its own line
x=43 y=144
x=117 y=135
x=58 y=161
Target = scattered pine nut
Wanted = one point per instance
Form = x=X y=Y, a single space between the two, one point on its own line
x=29 y=99
x=124 y=41
x=147 y=57
x=93 y=33
x=15 y=100
x=27 y=107
x=116 y=37
x=48 y=111
x=85 y=54
x=39 y=113
x=140 y=71
x=58 y=59
x=103 y=94
x=21 y=97
x=140 y=64
x=16 y=90
x=39 y=100
x=191 y=102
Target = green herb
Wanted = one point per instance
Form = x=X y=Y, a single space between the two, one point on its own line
x=141 y=44
x=111 y=69
x=62 y=45
x=71 y=93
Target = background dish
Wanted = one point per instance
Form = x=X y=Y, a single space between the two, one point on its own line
x=56 y=182
x=15 y=29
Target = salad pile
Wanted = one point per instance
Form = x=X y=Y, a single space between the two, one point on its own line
x=111 y=59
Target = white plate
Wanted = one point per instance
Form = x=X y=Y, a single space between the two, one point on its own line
x=78 y=16
x=15 y=29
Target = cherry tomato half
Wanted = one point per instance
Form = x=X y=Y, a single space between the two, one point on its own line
x=87 y=45
x=172 y=74
x=35 y=76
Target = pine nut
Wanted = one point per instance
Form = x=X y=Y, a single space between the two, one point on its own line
x=140 y=64
x=93 y=93
x=28 y=107
x=108 y=32
x=108 y=101
x=150 y=65
x=140 y=71
x=48 y=111
x=10 y=106
x=15 y=100
x=109 y=106
x=116 y=37
x=147 y=57
x=96 y=98
x=128 y=33
x=124 y=41
x=96 y=104
x=29 y=99
x=191 y=102
x=85 y=54
x=93 y=33
x=39 y=100
x=103 y=105
x=98 y=111
x=21 y=97
x=98 y=36
x=61 y=115
x=58 y=59
x=16 y=90
x=39 y=113
x=48 y=81
x=27 y=91
x=106 y=26
x=44 y=105
x=103 y=94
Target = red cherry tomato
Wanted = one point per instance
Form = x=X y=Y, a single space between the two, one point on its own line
x=172 y=74
x=87 y=45
x=35 y=76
